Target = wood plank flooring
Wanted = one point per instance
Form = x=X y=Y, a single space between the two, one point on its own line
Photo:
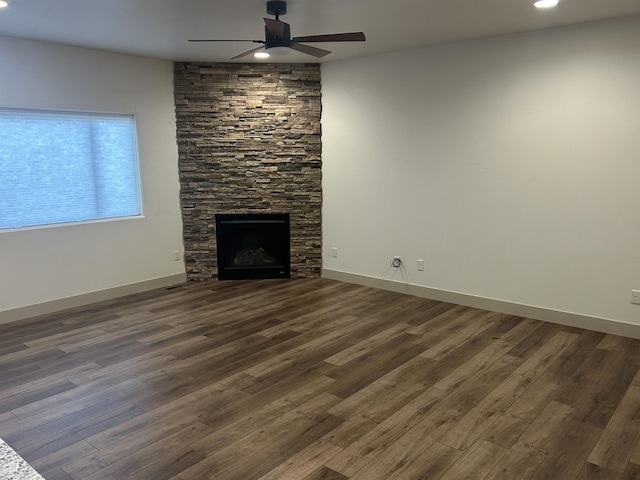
x=315 y=379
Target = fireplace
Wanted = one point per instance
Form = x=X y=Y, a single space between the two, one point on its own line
x=253 y=245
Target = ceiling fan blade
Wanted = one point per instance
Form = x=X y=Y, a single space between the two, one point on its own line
x=276 y=27
x=237 y=40
x=247 y=53
x=334 y=37
x=309 y=50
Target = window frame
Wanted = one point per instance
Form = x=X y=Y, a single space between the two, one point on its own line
x=136 y=165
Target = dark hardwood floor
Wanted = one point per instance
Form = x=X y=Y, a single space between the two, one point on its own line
x=315 y=379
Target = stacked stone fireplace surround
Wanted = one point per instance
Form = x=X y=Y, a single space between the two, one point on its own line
x=249 y=141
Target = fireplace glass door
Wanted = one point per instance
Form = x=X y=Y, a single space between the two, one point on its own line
x=253 y=246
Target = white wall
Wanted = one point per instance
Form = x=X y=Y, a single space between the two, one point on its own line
x=48 y=264
x=510 y=165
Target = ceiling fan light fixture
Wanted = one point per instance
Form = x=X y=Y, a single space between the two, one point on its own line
x=261 y=55
x=545 y=3
x=278 y=51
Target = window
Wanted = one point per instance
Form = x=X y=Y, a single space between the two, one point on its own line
x=59 y=167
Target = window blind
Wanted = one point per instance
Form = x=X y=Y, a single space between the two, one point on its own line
x=60 y=167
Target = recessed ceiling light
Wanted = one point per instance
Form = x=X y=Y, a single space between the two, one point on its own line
x=3 y=4
x=261 y=55
x=545 y=3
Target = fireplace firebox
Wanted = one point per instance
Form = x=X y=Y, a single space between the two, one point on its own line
x=253 y=245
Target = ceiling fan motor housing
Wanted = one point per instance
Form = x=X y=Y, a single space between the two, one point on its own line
x=276 y=7
x=277 y=41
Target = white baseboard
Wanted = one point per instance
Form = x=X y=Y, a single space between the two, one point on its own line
x=58 y=305
x=538 y=313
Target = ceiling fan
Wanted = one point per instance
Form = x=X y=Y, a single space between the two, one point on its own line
x=278 y=34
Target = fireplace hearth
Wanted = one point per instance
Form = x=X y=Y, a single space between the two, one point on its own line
x=253 y=245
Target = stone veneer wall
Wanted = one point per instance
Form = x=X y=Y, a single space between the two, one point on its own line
x=249 y=141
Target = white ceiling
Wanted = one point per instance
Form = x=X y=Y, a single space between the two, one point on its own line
x=161 y=28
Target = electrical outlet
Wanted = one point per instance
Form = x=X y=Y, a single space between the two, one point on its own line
x=420 y=265
x=635 y=297
x=334 y=252
x=176 y=255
